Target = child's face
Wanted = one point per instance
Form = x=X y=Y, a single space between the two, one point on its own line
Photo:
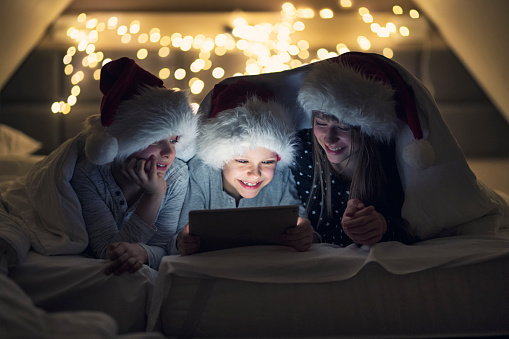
x=163 y=151
x=333 y=136
x=247 y=174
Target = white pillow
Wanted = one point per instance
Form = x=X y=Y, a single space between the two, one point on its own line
x=13 y=141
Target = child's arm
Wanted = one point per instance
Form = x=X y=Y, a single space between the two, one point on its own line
x=144 y=174
x=364 y=225
x=102 y=214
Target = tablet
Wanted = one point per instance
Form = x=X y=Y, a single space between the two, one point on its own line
x=236 y=227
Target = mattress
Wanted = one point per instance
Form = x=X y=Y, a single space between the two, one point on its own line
x=460 y=296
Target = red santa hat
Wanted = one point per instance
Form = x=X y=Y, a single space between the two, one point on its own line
x=245 y=116
x=136 y=111
x=363 y=90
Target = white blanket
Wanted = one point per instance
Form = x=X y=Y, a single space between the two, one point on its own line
x=326 y=262
x=41 y=209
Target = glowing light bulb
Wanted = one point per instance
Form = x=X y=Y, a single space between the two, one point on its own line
x=326 y=13
x=180 y=74
x=363 y=43
x=345 y=3
x=404 y=31
x=164 y=73
x=142 y=53
x=414 y=14
x=218 y=72
x=388 y=53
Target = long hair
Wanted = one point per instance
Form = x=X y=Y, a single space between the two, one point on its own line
x=368 y=182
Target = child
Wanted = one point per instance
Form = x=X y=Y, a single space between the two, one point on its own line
x=244 y=150
x=346 y=170
x=129 y=183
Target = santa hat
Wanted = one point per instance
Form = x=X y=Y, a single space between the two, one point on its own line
x=245 y=116
x=365 y=91
x=136 y=111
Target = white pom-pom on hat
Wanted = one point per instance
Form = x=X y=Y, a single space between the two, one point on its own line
x=100 y=147
x=419 y=154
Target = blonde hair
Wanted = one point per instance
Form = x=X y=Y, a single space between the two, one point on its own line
x=368 y=181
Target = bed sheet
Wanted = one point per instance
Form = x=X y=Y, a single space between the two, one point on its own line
x=71 y=283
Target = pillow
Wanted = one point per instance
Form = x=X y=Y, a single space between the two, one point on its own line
x=13 y=141
x=17 y=165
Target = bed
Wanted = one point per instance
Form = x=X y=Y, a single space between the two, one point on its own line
x=451 y=284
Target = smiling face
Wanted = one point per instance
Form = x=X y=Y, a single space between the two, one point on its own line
x=244 y=176
x=335 y=138
x=164 y=152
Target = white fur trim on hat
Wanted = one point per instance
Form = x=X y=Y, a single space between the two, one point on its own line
x=255 y=123
x=153 y=115
x=344 y=92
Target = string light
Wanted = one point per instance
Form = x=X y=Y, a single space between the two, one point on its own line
x=268 y=47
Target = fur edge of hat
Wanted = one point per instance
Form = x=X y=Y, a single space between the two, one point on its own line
x=355 y=99
x=153 y=115
x=253 y=124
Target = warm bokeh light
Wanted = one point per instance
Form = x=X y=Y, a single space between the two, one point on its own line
x=142 y=53
x=397 y=10
x=266 y=46
x=165 y=41
x=341 y=48
x=134 y=28
x=197 y=86
x=122 y=30
x=180 y=74
x=126 y=38
x=364 y=43
x=92 y=23
x=67 y=59
x=363 y=11
x=218 y=72
x=112 y=22
x=155 y=35
x=326 y=13
x=68 y=69
x=164 y=73
x=367 y=18
x=71 y=100
x=164 y=52
x=414 y=14
x=143 y=38
x=388 y=53
x=345 y=3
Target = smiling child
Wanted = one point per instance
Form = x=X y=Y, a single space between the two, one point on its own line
x=243 y=157
x=129 y=182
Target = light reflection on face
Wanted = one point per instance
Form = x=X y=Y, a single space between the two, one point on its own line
x=333 y=136
x=164 y=152
x=245 y=175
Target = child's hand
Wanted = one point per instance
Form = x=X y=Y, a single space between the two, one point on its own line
x=364 y=225
x=144 y=173
x=186 y=243
x=299 y=237
x=126 y=257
